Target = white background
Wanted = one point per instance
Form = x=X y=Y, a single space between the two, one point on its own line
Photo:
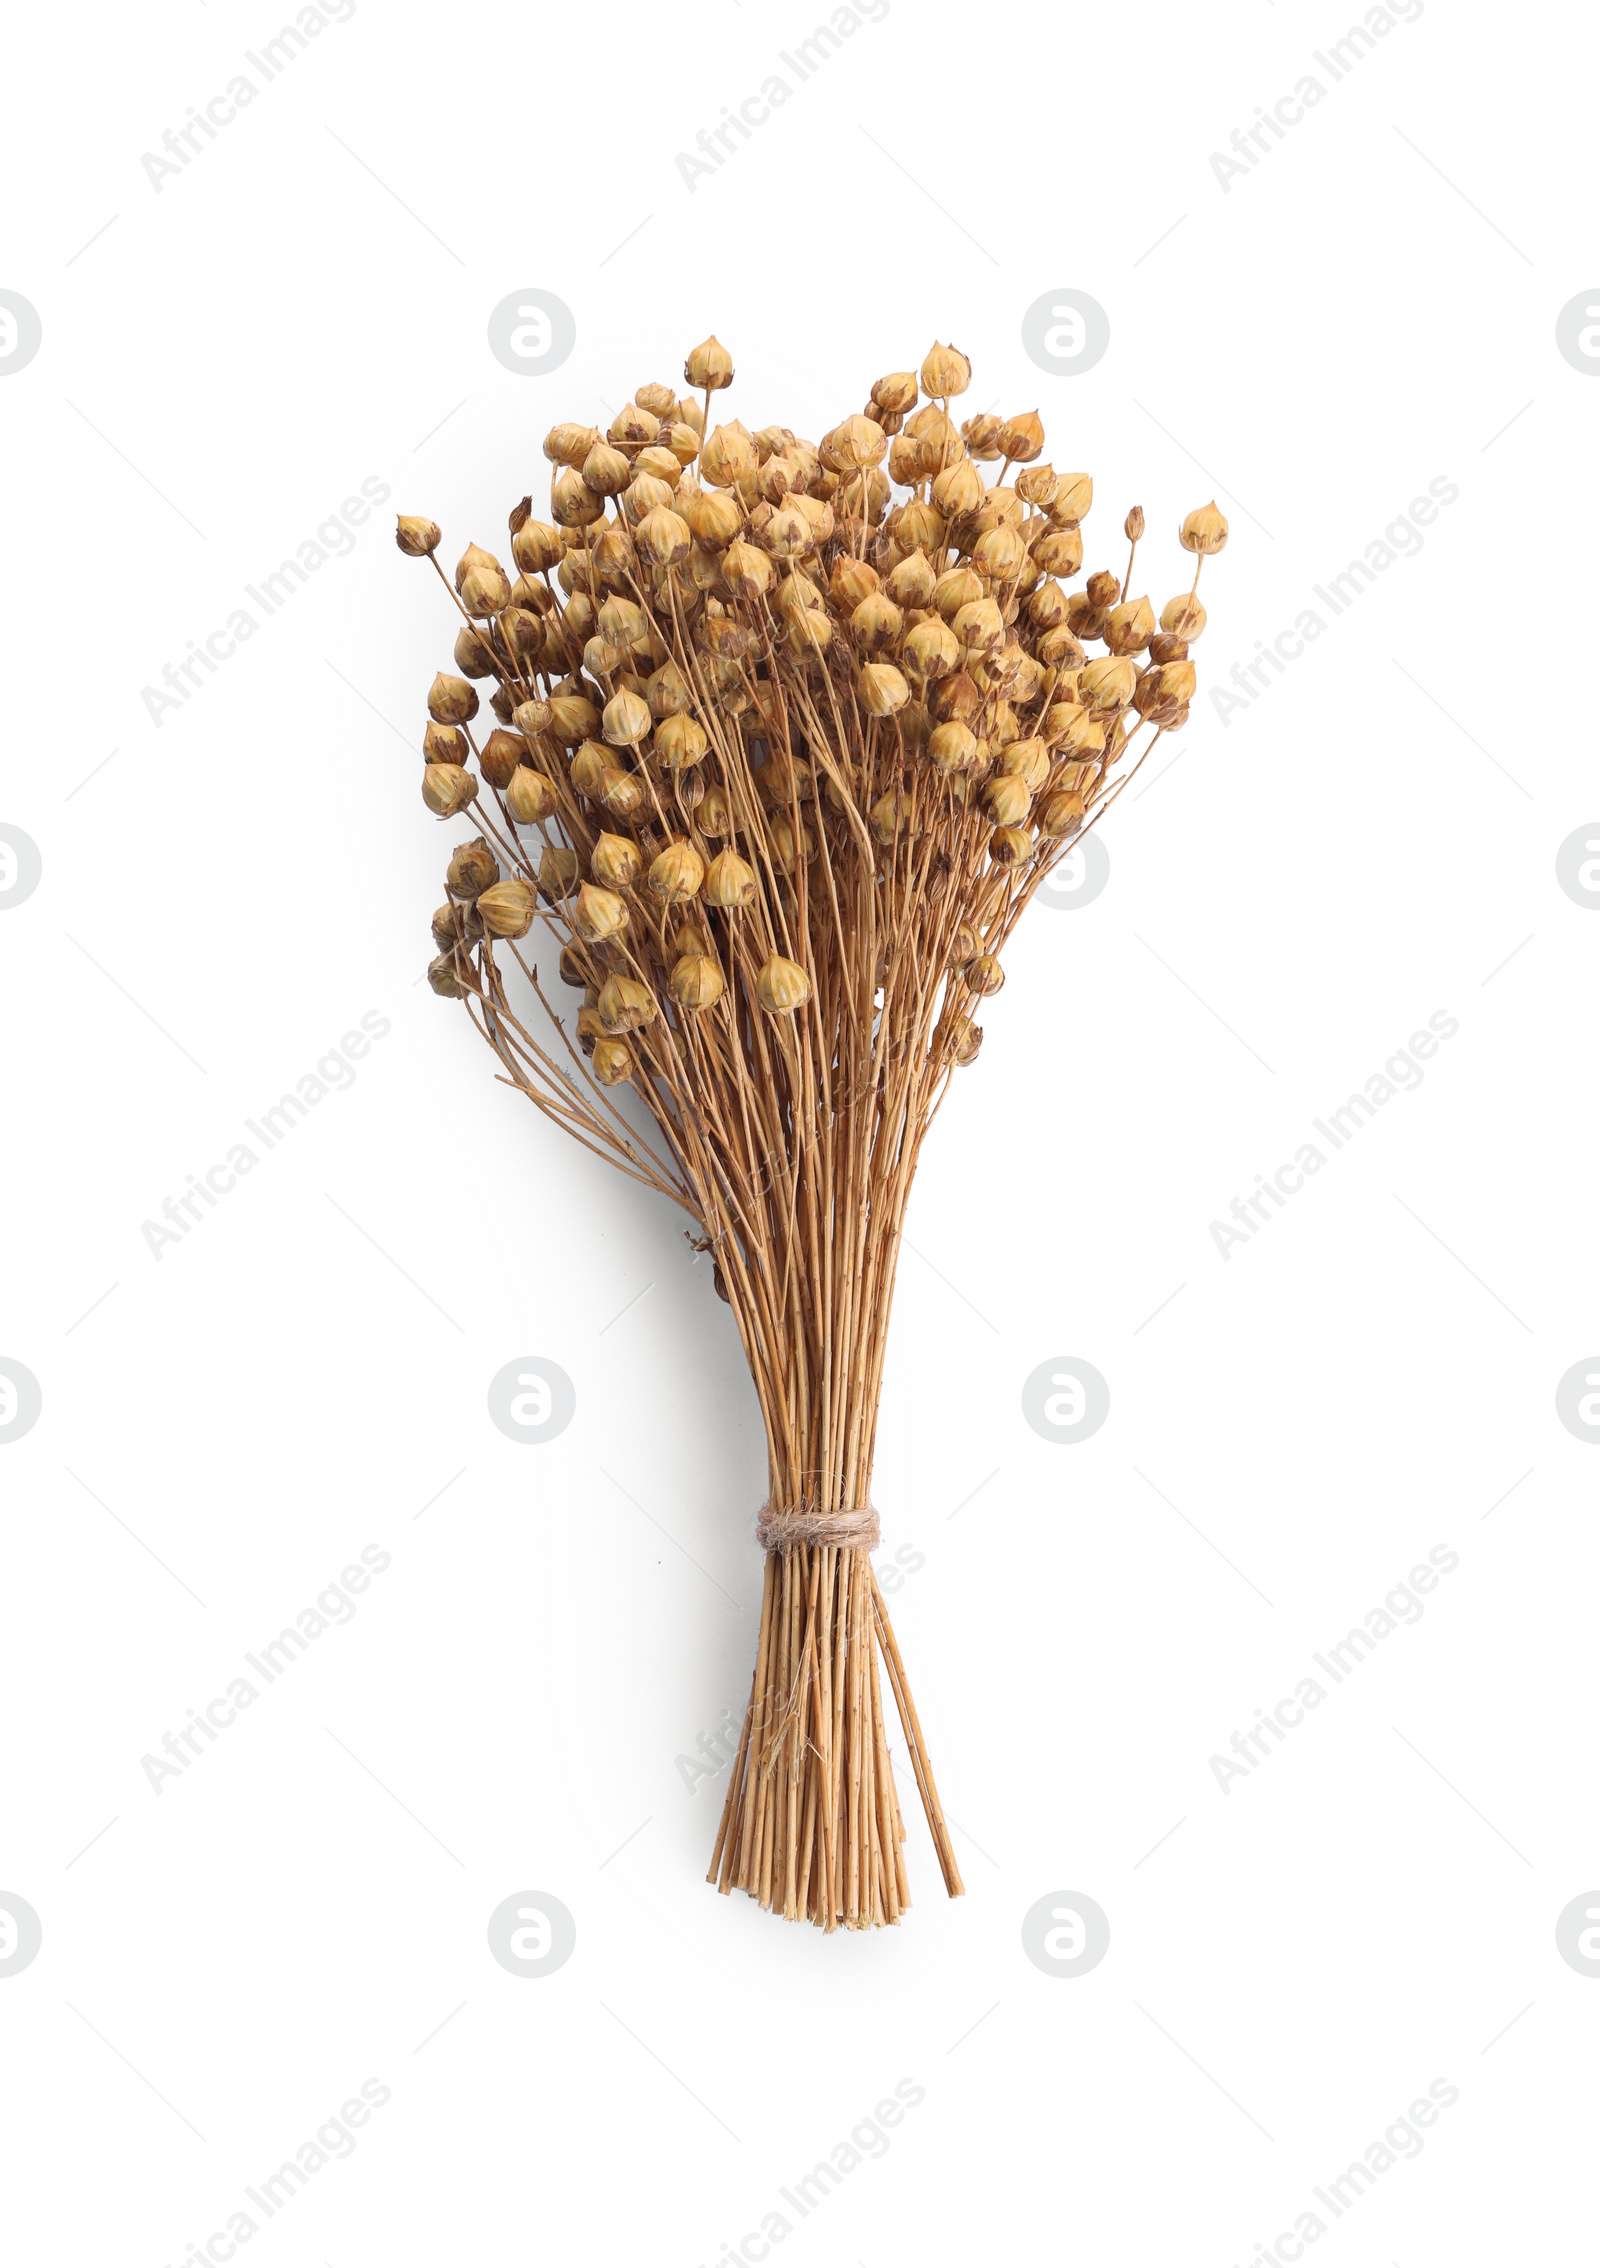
x=1371 y=307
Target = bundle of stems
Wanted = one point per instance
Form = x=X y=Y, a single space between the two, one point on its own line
x=787 y=737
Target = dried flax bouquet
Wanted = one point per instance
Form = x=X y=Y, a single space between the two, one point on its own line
x=787 y=735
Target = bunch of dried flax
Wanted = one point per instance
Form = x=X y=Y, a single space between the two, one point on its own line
x=787 y=736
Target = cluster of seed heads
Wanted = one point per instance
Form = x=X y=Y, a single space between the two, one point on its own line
x=735 y=668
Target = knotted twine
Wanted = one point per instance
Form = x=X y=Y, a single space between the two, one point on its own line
x=779 y=1527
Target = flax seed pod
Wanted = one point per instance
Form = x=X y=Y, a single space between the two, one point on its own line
x=597 y=913
x=1106 y=686
x=447 y=789
x=507 y=908
x=1130 y=627
x=958 y=1036
x=696 y=982
x=676 y=874
x=1001 y=554
x=932 y=649
x=1027 y=760
x=945 y=371
x=627 y=720
x=616 y=861
x=881 y=689
x=1204 y=531
x=1060 y=552
x=626 y=1005
x=667 y=692
x=446 y=975
x=714 y=813
x=451 y=700
x=953 y=748
x=730 y=882
x=499 y=757
x=573 y=718
x=529 y=797
x=891 y=817
x=558 y=871
x=1006 y=800
x=471 y=656
x=569 y=444
x=612 y=1060
x=620 y=793
x=1062 y=813
x=1010 y=847
x=782 y=986
x=443 y=744
x=473 y=866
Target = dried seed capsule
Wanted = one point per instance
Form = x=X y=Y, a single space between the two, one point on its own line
x=980 y=626
x=446 y=926
x=1204 y=531
x=956 y=588
x=590 y=766
x=714 y=815
x=573 y=503
x=708 y=366
x=506 y=910
x=852 y=582
x=1001 y=554
x=945 y=371
x=1129 y=627
x=472 y=657
x=728 y=456
x=891 y=816
x=953 y=748
x=502 y=752
x=729 y=881
x=1021 y=438
x=982 y=437
x=447 y=978
x=1037 y=486
x=1029 y=761
x=697 y=981
x=985 y=975
x=418 y=539
x=606 y=470
x=1006 y=799
x=676 y=873
x=667 y=691
x=620 y=792
x=537 y=547
x=616 y=861
x=529 y=797
x=597 y=913
x=443 y=744
x=1106 y=686
x=1011 y=846
x=569 y=444
x=715 y=518
x=958 y=490
x=964 y=946
x=447 y=789
x=1060 y=552
x=558 y=871
x=1073 y=497
x=613 y=1062
x=859 y=444
x=626 y=720
x=911 y=583
x=1062 y=813
x=790 y=846
x=643 y=495
x=897 y=393
x=633 y=428
x=573 y=718
x=782 y=986
x=746 y=571
x=473 y=866
x=663 y=537
x=451 y=700
x=881 y=689
x=932 y=649
x=1184 y=617
x=680 y=742
x=625 y=1004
